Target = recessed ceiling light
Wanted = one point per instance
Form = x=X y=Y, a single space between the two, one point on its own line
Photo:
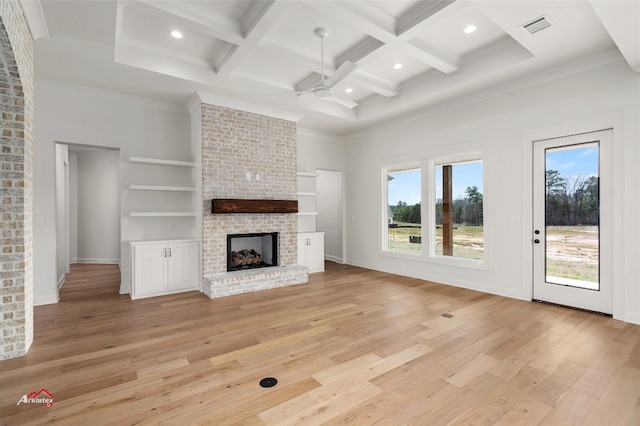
x=348 y=90
x=176 y=34
x=470 y=29
x=397 y=66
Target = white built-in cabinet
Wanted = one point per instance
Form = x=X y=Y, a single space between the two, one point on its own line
x=310 y=242
x=161 y=213
x=164 y=267
x=311 y=250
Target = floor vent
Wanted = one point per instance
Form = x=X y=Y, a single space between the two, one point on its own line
x=572 y=307
x=537 y=25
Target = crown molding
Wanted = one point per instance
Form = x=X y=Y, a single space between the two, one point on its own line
x=34 y=15
x=207 y=98
x=318 y=134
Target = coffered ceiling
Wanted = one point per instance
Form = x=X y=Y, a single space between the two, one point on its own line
x=393 y=58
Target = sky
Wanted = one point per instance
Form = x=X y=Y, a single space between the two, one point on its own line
x=406 y=186
x=569 y=161
x=574 y=161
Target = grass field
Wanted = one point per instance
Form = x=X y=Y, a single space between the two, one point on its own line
x=572 y=251
x=467 y=240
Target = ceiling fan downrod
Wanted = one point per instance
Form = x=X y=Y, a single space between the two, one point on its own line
x=320 y=89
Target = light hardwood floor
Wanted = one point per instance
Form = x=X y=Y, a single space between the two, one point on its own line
x=352 y=347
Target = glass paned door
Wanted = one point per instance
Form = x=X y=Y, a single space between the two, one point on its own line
x=572 y=221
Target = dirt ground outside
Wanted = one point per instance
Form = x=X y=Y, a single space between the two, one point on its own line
x=572 y=251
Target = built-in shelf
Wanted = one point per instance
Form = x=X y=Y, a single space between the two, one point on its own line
x=161 y=162
x=162 y=214
x=307 y=193
x=162 y=188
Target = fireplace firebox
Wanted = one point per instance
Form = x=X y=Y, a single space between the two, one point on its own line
x=248 y=251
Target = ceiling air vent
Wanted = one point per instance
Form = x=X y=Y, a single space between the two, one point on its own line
x=537 y=25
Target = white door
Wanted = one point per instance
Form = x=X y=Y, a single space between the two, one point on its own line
x=572 y=219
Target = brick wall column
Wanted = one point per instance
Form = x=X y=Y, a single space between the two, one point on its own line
x=16 y=181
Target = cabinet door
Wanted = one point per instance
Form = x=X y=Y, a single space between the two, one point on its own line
x=148 y=269
x=183 y=266
x=315 y=253
x=302 y=249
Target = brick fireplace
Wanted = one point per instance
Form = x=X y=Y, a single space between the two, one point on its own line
x=246 y=155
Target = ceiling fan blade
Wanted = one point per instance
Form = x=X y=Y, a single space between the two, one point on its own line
x=344 y=101
x=342 y=71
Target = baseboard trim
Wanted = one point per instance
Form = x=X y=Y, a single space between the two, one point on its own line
x=335 y=259
x=61 y=281
x=98 y=260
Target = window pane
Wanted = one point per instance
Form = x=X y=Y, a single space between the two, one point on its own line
x=572 y=216
x=459 y=210
x=403 y=212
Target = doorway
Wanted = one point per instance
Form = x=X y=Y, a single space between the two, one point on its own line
x=87 y=206
x=573 y=221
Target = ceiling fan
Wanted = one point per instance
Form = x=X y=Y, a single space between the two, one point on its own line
x=322 y=88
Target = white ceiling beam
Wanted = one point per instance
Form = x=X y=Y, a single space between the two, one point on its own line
x=126 y=43
x=307 y=82
x=369 y=20
x=360 y=52
x=432 y=53
x=307 y=58
x=259 y=20
x=621 y=19
x=328 y=107
x=361 y=16
x=422 y=11
x=376 y=84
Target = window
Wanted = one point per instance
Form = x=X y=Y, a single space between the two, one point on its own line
x=459 y=216
x=445 y=194
x=403 y=218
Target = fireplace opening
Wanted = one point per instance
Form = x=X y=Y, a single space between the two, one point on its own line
x=248 y=251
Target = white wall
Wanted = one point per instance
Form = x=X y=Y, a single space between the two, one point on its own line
x=498 y=126
x=330 y=213
x=72 y=114
x=320 y=151
x=98 y=204
x=326 y=154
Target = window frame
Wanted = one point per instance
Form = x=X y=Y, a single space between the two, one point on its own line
x=427 y=163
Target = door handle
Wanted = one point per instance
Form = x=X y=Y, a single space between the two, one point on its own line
x=536 y=241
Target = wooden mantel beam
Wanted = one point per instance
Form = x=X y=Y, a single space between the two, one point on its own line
x=253 y=206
